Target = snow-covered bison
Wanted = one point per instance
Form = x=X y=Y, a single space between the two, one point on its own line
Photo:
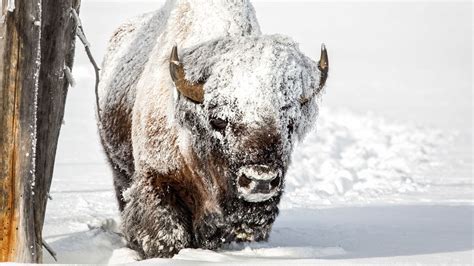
x=200 y=137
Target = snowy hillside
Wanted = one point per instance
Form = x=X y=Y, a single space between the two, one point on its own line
x=386 y=177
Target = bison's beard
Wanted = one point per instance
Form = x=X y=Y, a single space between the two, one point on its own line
x=249 y=221
x=241 y=221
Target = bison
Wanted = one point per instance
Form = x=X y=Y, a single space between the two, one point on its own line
x=200 y=138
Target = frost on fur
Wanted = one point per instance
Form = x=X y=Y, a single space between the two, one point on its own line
x=200 y=174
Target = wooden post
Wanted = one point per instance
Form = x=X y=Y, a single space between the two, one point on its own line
x=36 y=44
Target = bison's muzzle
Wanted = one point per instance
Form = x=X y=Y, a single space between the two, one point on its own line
x=258 y=183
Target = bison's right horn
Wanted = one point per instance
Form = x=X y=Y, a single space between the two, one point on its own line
x=194 y=92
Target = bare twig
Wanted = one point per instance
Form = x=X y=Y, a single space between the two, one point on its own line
x=69 y=77
x=50 y=250
x=80 y=33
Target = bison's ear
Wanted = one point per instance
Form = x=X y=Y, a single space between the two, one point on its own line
x=323 y=66
x=194 y=92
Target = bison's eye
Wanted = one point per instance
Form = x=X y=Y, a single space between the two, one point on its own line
x=290 y=126
x=218 y=124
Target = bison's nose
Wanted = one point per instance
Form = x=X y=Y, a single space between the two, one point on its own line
x=257 y=184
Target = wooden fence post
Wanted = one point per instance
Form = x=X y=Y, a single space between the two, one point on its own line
x=36 y=45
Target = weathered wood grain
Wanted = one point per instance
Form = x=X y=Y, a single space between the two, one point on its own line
x=36 y=44
x=57 y=52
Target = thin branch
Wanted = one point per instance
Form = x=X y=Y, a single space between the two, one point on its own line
x=69 y=77
x=50 y=250
x=82 y=36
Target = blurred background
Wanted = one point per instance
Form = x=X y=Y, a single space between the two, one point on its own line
x=395 y=123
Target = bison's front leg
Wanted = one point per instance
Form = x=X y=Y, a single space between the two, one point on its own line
x=153 y=222
x=210 y=230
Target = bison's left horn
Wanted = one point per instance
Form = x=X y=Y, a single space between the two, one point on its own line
x=323 y=66
x=191 y=91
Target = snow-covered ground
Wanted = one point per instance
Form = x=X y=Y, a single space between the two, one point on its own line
x=387 y=176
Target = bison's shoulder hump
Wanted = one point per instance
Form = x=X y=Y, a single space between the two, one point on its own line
x=122 y=37
x=126 y=56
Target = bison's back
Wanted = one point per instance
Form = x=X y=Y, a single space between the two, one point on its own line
x=126 y=56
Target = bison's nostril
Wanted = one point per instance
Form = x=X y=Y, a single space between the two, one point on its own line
x=244 y=181
x=275 y=182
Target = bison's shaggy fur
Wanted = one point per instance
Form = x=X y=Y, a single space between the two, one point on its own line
x=177 y=162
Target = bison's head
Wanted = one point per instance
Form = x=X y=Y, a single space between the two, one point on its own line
x=242 y=103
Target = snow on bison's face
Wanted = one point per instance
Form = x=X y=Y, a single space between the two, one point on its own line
x=241 y=105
